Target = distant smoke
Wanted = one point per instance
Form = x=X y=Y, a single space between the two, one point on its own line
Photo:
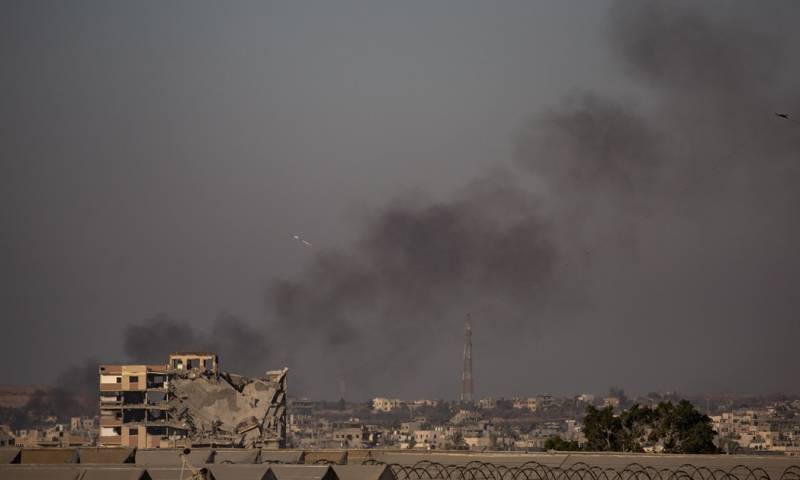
x=75 y=394
x=240 y=346
x=152 y=340
x=620 y=219
x=417 y=268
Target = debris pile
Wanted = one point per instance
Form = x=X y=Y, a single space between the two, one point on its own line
x=224 y=409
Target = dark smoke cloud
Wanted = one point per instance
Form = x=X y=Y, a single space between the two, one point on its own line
x=417 y=269
x=154 y=338
x=74 y=394
x=588 y=146
x=682 y=50
x=618 y=231
x=242 y=347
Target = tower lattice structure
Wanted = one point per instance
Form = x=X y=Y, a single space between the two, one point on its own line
x=466 y=372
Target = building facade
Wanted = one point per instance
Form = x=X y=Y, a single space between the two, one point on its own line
x=134 y=407
x=178 y=404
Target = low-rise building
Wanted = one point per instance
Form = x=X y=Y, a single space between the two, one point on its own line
x=430 y=439
x=478 y=442
x=351 y=437
x=381 y=404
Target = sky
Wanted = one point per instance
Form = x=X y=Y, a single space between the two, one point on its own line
x=603 y=186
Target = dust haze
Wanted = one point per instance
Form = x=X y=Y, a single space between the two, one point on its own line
x=643 y=236
x=664 y=235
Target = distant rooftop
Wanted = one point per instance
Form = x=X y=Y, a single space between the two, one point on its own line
x=207 y=354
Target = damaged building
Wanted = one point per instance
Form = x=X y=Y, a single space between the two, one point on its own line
x=189 y=401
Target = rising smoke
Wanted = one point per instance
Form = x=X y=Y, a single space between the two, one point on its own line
x=74 y=394
x=616 y=225
x=624 y=241
x=240 y=345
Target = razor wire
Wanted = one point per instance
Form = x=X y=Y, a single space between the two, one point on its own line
x=478 y=470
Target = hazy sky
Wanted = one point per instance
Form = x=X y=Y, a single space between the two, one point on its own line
x=158 y=157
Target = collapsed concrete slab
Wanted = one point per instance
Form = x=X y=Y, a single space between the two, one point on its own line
x=229 y=409
x=190 y=402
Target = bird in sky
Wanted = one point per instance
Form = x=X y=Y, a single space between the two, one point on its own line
x=786 y=116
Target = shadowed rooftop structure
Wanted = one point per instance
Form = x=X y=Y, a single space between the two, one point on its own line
x=105 y=455
x=48 y=455
x=9 y=455
x=363 y=472
x=172 y=458
x=241 y=472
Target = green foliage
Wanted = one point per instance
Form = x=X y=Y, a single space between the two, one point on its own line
x=635 y=428
x=678 y=428
x=456 y=442
x=683 y=429
x=602 y=429
x=557 y=443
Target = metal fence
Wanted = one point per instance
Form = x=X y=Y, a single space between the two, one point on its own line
x=476 y=470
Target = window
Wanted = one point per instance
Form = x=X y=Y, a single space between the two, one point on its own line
x=208 y=364
x=119 y=379
x=193 y=363
x=134 y=379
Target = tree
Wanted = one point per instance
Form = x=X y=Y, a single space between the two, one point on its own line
x=679 y=428
x=683 y=429
x=636 y=426
x=557 y=443
x=456 y=442
x=602 y=429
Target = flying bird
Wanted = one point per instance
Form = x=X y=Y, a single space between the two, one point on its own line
x=302 y=240
x=786 y=116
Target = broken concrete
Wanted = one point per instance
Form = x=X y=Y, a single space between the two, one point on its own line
x=229 y=410
x=189 y=402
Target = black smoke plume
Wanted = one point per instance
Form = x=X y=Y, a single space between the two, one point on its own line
x=240 y=345
x=618 y=231
x=73 y=395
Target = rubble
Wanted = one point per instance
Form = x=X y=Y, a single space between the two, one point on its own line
x=189 y=402
x=230 y=409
